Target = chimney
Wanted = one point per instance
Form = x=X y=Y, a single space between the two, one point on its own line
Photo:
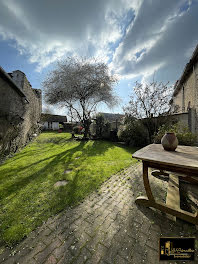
x=18 y=78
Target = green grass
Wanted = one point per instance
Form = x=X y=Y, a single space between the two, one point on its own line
x=27 y=195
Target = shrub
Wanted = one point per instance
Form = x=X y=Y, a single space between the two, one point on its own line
x=76 y=129
x=100 y=122
x=133 y=133
x=113 y=135
x=103 y=127
x=106 y=130
x=185 y=137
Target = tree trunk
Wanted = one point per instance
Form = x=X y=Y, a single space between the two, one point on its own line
x=148 y=124
x=86 y=125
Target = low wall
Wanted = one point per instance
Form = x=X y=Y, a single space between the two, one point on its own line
x=182 y=118
x=188 y=119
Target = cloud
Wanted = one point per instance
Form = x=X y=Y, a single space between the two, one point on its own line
x=137 y=38
x=163 y=34
x=48 y=30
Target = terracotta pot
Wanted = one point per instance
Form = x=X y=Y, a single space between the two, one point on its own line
x=169 y=141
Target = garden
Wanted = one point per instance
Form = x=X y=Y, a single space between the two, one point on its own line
x=50 y=174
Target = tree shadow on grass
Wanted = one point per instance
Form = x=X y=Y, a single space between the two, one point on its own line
x=24 y=152
x=55 y=140
x=29 y=182
x=56 y=200
x=41 y=174
x=62 y=159
x=101 y=146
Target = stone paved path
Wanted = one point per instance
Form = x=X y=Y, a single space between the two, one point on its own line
x=107 y=227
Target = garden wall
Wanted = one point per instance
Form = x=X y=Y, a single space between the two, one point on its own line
x=20 y=110
x=188 y=119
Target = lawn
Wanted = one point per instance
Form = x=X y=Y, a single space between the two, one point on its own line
x=27 y=193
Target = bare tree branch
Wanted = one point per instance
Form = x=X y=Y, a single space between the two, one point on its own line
x=149 y=100
x=81 y=85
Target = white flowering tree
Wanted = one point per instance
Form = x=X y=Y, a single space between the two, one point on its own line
x=80 y=85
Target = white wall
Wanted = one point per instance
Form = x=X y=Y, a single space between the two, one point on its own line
x=45 y=125
x=55 y=125
x=51 y=125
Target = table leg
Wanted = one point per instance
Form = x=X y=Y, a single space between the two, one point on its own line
x=149 y=201
x=184 y=215
x=143 y=200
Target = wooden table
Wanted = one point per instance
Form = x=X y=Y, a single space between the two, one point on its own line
x=183 y=161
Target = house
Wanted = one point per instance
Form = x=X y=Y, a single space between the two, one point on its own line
x=20 y=111
x=112 y=117
x=52 y=122
x=115 y=120
x=186 y=92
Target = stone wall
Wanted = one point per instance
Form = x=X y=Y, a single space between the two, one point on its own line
x=12 y=110
x=19 y=115
x=184 y=118
x=33 y=111
x=188 y=119
x=187 y=97
x=181 y=118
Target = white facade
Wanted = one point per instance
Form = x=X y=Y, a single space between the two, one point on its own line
x=51 y=125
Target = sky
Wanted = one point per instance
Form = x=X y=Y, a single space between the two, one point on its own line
x=138 y=39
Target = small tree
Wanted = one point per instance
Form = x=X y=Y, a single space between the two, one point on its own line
x=80 y=85
x=133 y=133
x=100 y=123
x=149 y=102
x=103 y=127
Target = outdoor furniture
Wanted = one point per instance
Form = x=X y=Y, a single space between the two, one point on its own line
x=183 y=161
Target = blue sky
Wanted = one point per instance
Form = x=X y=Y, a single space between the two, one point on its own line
x=137 y=39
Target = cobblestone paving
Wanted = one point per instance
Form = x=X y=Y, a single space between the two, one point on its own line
x=107 y=227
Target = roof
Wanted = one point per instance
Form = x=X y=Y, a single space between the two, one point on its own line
x=112 y=117
x=187 y=70
x=8 y=79
x=53 y=118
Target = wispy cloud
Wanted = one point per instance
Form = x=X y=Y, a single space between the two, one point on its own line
x=49 y=30
x=163 y=34
x=135 y=37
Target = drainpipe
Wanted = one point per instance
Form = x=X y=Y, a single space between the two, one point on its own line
x=195 y=96
x=183 y=99
x=195 y=121
x=195 y=87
